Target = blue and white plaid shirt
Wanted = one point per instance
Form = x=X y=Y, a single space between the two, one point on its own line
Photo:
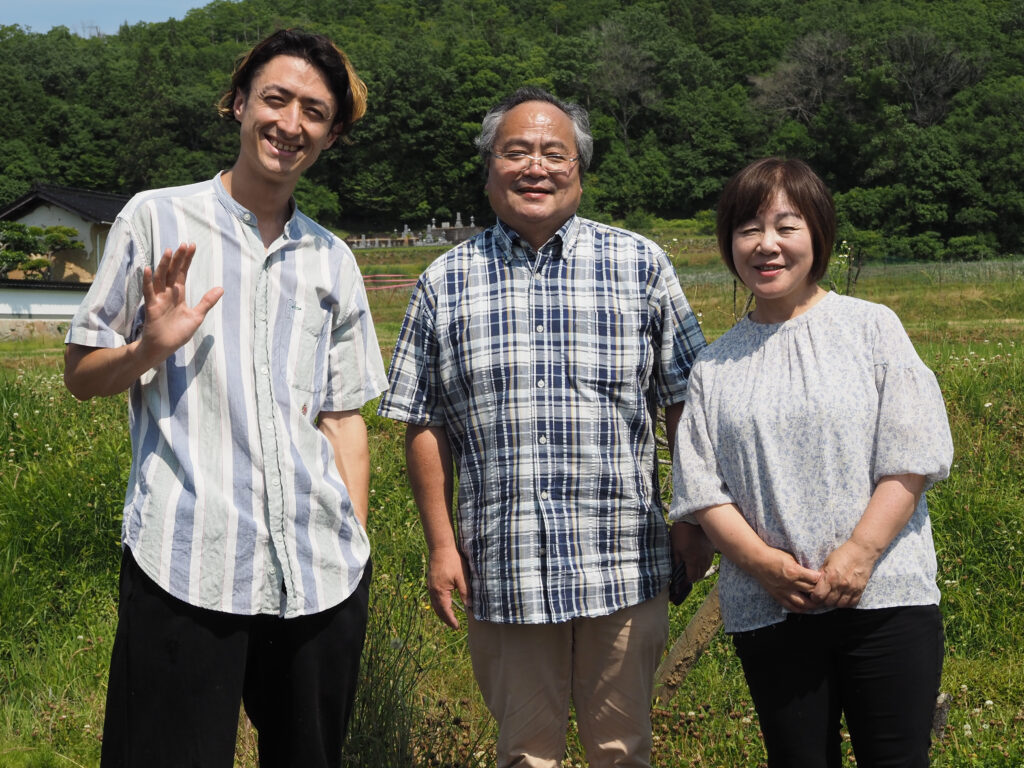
x=545 y=369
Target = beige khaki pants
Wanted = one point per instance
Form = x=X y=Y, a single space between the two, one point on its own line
x=528 y=673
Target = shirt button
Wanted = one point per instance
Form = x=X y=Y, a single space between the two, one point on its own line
x=540 y=383
x=543 y=440
x=544 y=495
x=263 y=370
x=247 y=216
x=540 y=327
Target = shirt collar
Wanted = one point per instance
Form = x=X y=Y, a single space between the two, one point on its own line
x=561 y=244
x=293 y=228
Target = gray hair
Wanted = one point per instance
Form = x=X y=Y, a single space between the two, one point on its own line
x=577 y=114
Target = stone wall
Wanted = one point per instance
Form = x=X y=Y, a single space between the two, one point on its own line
x=19 y=330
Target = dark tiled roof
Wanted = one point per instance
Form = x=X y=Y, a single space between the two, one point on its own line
x=99 y=207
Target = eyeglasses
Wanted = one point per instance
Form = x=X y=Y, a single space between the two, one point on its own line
x=520 y=161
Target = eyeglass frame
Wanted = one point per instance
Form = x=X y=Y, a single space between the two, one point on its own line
x=539 y=160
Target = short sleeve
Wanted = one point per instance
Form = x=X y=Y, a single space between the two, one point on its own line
x=680 y=337
x=912 y=436
x=414 y=383
x=110 y=315
x=696 y=478
x=356 y=370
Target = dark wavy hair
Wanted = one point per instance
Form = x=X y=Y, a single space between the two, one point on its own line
x=755 y=186
x=348 y=89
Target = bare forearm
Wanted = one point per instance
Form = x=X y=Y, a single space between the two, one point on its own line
x=733 y=537
x=847 y=569
x=100 y=372
x=789 y=583
x=346 y=432
x=888 y=512
x=431 y=476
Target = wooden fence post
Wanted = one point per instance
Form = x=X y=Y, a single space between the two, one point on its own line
x=688 y=648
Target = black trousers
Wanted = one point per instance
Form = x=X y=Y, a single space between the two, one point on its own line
x=178 y=675
x=881 y=668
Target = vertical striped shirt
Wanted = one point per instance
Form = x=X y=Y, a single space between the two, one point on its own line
x=234 y=502
x=545 y=370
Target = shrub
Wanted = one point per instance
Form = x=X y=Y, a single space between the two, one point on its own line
x=969 y=248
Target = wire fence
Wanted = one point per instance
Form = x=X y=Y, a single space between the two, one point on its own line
x=388 y=282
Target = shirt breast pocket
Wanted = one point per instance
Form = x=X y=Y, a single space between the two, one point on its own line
x=475 y=361
x=305 y=348
x=608 y=353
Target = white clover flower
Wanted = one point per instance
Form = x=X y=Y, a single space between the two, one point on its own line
x=988 y=405
x=989 y=703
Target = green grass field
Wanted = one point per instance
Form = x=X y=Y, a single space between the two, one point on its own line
x=63 y=466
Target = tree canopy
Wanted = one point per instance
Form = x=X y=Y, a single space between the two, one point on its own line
x=912 y=110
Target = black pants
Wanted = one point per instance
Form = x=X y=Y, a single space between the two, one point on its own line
x=178 y=675
x=882 y=668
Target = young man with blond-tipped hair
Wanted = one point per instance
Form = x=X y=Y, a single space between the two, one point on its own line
x=240 y=329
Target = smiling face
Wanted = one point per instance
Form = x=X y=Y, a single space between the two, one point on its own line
x=533 y=201
x=286 y=118
x=773 y=254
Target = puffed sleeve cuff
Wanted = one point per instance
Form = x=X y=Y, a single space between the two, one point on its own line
x=913 y=435
x=696 y=479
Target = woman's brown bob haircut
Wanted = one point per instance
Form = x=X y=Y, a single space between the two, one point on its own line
x=348 y=89
x=756 y=186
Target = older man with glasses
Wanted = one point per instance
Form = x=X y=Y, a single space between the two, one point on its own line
x=529 y=365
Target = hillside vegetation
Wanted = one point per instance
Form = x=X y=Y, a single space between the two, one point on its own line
x=911 y=110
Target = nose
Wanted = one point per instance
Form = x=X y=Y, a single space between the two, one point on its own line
x=534 y=167
x=288 y=117
x=769 y=241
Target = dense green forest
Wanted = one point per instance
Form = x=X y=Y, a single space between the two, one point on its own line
x=912 y=110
